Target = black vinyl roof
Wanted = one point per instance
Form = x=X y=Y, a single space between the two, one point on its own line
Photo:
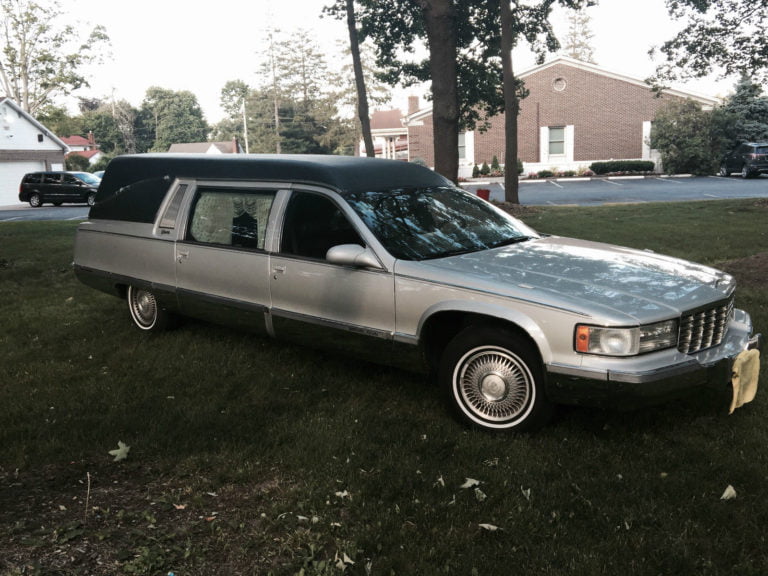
x=343 y=173
x=134 y=186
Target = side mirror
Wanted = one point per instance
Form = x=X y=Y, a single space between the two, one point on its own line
x=352 y=255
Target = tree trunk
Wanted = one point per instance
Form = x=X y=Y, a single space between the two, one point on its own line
x=440 y=24
x=511 y=106
x=362 y=97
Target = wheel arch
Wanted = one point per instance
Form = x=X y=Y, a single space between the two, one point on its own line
x=441 y=324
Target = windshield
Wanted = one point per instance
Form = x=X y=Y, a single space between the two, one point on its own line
x=88 y=178
x=419 y=224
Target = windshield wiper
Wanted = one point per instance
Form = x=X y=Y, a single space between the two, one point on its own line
x=510 y=241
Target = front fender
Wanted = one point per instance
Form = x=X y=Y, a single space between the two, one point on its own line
x=494 y=312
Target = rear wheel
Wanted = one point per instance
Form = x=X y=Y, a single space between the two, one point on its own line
x=145 y=311
x=495 y=380
x=35 y=200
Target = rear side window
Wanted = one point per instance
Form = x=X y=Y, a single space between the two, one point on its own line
x=32 y=178
x=230 y=217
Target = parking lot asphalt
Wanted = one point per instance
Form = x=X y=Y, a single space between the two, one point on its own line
x=551 y=192
x=625 y=189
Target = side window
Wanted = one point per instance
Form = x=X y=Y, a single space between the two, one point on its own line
x=230 y=217
x=52 y=178
x=313 y=224
x=172 y=211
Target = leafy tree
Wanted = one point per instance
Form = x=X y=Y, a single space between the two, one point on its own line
x=683 y=134
x=346 y=97
x=234 y=98
x=719 y=35
x=294 y=101
x=77 y=163
x=469 y=63
x=747 y=114
x=347 y=8
x=58 y=120
x=41 y=60
x=176 y=117
x=578 y=41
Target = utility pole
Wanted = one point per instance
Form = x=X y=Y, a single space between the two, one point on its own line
x=245 y=127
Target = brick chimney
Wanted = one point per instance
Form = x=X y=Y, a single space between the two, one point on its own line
x=413 y=104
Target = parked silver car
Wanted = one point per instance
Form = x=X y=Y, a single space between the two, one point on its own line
x=388 y=260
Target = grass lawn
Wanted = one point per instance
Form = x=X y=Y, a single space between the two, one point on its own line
x=249 y=456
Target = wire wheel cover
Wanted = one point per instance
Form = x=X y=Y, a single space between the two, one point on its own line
x=494 y=384
x=144 y=307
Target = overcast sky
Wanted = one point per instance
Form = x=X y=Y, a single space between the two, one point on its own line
x=181 y=45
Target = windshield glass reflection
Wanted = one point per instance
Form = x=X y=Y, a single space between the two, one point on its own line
x=426 y=223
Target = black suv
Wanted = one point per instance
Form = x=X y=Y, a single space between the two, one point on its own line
x=58 y=187
x=749 y=159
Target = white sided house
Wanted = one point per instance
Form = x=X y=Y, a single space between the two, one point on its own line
x=25 y=146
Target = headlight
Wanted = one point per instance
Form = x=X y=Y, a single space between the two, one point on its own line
x=625 y=341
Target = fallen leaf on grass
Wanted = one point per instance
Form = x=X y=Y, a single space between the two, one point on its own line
x=343 y=561
x=470 y=483
x=489 y=527
x=121 y=453
x=729 y=494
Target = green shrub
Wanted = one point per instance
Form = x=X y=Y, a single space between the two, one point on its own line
x=485 y=170
x=475 y=171
x=545 y=174
x=77 y=163
x=622 y=166
x=519 y=166
x=495 y=164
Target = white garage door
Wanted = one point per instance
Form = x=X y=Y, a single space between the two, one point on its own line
x=11 y=174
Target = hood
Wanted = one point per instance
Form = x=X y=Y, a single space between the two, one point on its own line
x=600 y=280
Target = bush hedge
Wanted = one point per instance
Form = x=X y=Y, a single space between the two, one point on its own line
x=622 y=166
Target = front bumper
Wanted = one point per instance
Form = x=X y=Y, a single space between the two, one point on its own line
x=628 y=389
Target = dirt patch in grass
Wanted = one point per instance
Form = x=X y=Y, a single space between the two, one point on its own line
x=135 y=520
x=517 y=210
x=751 y=272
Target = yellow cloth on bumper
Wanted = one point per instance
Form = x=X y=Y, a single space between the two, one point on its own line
x=746 y=370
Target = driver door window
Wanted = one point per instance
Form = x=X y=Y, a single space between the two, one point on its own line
x=313 y=224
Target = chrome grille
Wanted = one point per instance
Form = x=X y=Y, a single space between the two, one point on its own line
x=705 y=328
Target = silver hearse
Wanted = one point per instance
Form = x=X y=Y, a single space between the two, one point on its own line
x=390 y=261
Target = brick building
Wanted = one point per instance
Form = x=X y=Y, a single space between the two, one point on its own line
x=575 y=114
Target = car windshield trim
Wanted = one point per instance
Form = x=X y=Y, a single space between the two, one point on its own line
x=437 y=222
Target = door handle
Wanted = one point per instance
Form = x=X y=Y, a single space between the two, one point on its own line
x=277 y=270
x=181 y=256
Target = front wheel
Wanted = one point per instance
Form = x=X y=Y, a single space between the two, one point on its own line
x=495 y=380
x=724 y=171
x=145 y=311
x=745 y=172
x=91 y=199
